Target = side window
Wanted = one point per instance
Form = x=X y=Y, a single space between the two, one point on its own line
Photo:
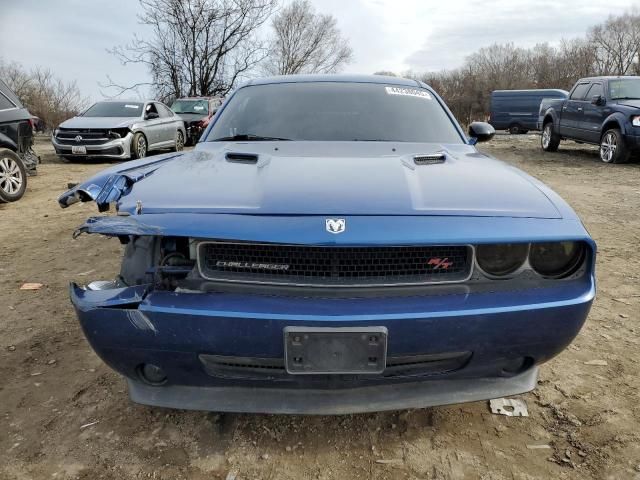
x=5 y=103
x=596 y=89
x=161 y=111
x=164 y=110
x=579 y=92
x=151 y=108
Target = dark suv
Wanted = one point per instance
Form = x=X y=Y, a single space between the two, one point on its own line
x=16 y=139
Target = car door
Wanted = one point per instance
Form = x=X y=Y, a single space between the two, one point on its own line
x=572 y=111
x=594 y=115
x=152 y=126
x=168 y=125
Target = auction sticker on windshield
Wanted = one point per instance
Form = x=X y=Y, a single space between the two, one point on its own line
x=411 y=92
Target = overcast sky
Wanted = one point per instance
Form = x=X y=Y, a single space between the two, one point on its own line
x=71 y=36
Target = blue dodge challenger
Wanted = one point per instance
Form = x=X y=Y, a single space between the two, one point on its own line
x=334 y=244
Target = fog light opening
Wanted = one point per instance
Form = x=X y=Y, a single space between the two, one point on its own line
x=152 y=374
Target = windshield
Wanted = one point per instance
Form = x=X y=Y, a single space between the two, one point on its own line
x=191 y=106
x=334 y=111
x=114 y=109
x=624 y=89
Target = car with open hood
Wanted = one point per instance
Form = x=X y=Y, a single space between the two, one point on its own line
x=196 y=112
x=120 y=130
x=333 y=244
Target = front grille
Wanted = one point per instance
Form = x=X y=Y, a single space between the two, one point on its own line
x=274 y=368
x=90 y=136
x=322 y=265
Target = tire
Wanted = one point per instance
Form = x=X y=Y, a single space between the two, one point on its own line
x=13 y=176
x=549 y=140
x=139 y=146
x=515 y=129
x=613 y=148
x=179 y=142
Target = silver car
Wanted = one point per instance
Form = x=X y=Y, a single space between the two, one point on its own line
x=119 y=129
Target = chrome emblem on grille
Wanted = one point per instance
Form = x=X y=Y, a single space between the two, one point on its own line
x=252 y=265
x=78 y=138
x=335 y=225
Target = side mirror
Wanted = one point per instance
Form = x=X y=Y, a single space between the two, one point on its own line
x=481 y=132
x=598 y=100
x=151 y=116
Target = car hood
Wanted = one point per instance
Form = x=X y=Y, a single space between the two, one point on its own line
x=320 y=178
x=99 y=122
x=629 y=103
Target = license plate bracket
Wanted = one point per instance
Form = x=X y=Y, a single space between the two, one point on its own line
x=335 y=350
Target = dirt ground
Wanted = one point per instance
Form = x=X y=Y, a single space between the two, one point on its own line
x=64 y=414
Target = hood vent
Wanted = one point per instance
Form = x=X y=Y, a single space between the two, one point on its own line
x=429 y=159
x=242 y=157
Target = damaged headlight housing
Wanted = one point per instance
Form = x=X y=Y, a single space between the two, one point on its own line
x=118 y=132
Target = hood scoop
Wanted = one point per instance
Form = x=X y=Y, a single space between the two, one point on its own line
x=430 y=158
x=241 y=157
x=259 y=161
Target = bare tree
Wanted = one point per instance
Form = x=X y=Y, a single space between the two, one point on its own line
x=616 y=44
x=45 y=95
x=195 y=47
x=306 y=42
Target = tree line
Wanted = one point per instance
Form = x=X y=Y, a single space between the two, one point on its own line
x=609 y=48
x=206 y=47
x=46 y=96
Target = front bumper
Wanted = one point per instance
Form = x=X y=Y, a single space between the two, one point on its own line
x=507 y=334
x=426 y=393
x=118 y=148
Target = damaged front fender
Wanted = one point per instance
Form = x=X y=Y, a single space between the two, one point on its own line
x=110 y=184
x=85 y=300
x=116 y=226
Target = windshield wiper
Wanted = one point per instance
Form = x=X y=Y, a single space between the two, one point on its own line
x=248 y=136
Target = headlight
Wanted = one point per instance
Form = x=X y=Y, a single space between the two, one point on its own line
x=501 y=259
x=556 y=259
x=56 y=132
x=635 y=121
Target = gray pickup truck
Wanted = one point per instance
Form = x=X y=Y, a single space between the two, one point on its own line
x=602 y=111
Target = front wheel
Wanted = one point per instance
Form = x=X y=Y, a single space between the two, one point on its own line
x=139 y=146
x=13 y=176
x=612 y=147
x=549 y=139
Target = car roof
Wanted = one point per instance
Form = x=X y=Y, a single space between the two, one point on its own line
x=126 y=100
x=531 y=91
x=197 y=98
x=609 y=77
x=335 y=78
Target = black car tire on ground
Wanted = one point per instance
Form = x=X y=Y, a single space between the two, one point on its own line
x=139 y=146
x=549 y=140
x=13 y=176
x=515 y=129
x=613 y=148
